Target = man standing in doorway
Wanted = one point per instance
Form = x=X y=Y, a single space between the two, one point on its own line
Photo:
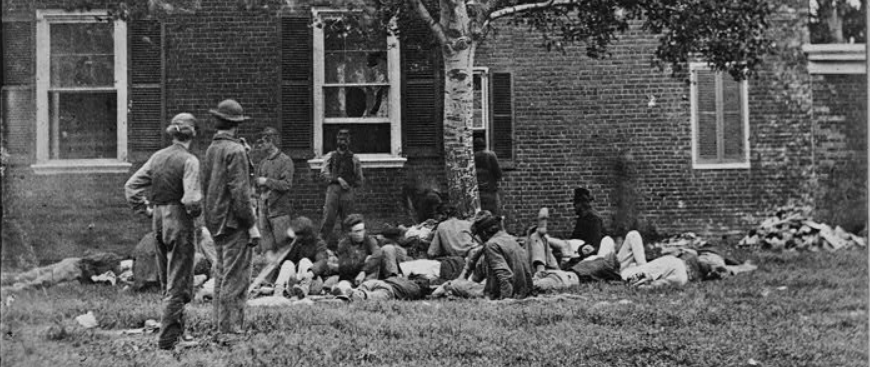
x=342 y=172
x=229 y=215
x=172 y=174
x=274 y=180
x=488 y=175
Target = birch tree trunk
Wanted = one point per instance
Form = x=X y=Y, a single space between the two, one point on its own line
x=458 y=115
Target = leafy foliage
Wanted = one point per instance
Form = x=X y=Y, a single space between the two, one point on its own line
x=850 y=17
x=729 y=34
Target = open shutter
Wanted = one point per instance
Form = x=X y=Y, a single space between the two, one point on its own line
x=297 y=122
x=19 y=104
x=503 y=116
x=147 y=112
x=707 y=120
x=421 y=94
x=732 y=119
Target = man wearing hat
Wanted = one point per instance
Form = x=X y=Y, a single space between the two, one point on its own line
x=172 y=174
x=508 y=274
x=229 y=215
x=342 y=173
x=274 y=180
x=589 y=226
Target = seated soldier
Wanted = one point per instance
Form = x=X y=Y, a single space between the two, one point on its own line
x=451 y=243
x=508 y=274
x=354 y=254
x=306 y=263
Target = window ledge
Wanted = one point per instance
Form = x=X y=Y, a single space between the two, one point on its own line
x=835 y=58
x=77 y=166
x=368 y=161
x=721 y=165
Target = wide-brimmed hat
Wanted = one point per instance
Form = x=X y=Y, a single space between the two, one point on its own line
x=230 y=110
x=582 y=194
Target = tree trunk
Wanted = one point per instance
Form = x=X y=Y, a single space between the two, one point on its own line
x=458 y=115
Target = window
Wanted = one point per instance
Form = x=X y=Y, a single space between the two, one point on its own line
x=482 y=125
x=81 y=93
x=356 y=87
x=720 y=120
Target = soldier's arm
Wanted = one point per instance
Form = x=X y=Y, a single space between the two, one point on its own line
x=134 y=189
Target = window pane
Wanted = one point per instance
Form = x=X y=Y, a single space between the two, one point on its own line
x=340 y=35
x=706 y=107
x=82 y=71
x=477 y=107
x=82 y=38
x=356 y=66
x=82 y=54
x=83 y=125
x=369 y=101
x=365 y=138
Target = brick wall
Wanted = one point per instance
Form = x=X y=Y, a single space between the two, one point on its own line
x=579 y=122
x=840 y=116
x=585 y=122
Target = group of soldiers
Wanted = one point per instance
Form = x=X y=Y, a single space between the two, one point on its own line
x=476 y=253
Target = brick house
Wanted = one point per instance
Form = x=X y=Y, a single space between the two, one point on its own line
x=709 y=156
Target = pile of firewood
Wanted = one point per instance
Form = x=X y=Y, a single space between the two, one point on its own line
x=793 y=228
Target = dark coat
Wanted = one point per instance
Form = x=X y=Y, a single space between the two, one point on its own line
x=226 y=186
x=509 y=274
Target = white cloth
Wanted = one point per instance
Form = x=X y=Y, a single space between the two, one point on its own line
x=430 y=269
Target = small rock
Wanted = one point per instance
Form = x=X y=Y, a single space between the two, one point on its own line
x=88 y=320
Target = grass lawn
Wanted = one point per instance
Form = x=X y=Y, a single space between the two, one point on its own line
x=798 y=309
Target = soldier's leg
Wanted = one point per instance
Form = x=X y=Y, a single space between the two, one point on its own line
x=178 y=239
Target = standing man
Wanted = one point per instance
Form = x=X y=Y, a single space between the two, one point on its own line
x=342 y=172
x=488 y=175
x=172 y=174
x=508 y=273
x=589 y=227
x=274 y=180
x=229 y=216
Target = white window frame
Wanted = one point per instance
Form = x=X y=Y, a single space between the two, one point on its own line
x=393 y=159
x=484 y=103
x=44 y=164
x=744 y=90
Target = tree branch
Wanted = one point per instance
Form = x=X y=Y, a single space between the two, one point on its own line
x=516 y=9
x=433 y=25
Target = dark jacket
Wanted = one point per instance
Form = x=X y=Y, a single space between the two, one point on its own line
x=278 y=169
x=313 y=248
x=589 y=228
x=352 y=257
x=488 y=170
x=227 y=186
x=509 y=273
x=345 y=165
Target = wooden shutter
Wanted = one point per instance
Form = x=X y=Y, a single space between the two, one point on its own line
x=502 y=116
x=18 y=64
x=19 y=103
x=707 y=134
x=147 y=112
x=421 y=93
x=732 y=120
x=297 y=120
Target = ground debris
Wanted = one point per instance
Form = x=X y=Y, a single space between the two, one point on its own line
x=793 y=228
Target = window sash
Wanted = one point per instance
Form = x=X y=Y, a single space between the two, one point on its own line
x=722 y=159
x=44 y=20
x=393 y=82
